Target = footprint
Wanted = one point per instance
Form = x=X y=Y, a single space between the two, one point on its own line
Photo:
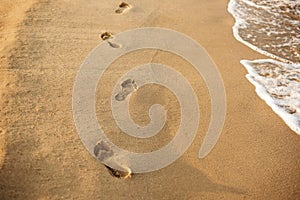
x=108 y=37
x=129 y=83
x=128 y=86
x=102 y=151
x=123 y=7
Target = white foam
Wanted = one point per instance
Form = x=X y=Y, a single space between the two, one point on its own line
x=273 y=29
x=262 y=26
x=278 y=84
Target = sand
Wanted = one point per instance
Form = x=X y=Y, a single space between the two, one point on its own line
x=12 y=13
x=42 y=156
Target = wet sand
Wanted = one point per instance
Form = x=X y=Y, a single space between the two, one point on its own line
x=41 y=153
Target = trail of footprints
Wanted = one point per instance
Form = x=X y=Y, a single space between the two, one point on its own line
x=108 y=36
x=102 y=150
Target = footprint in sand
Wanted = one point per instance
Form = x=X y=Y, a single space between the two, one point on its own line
x=103 y=151
x=108 y=37
x=123 y=7
x=128 y=86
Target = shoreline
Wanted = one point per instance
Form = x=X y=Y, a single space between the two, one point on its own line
x=266 y=78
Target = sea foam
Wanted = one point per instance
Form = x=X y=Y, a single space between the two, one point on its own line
x=278 y=84
x=272 y=27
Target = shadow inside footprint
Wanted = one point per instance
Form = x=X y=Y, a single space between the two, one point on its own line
x=122 y=8
x=128 y=86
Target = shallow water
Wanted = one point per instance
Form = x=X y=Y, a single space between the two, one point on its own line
x=279 y=85
x=270 y=27
x=273 y=29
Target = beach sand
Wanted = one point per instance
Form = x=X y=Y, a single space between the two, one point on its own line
x=42 y=156
x=12 y=13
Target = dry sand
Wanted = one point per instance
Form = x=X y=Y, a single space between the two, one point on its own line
x=12 y=13
x=257 y=156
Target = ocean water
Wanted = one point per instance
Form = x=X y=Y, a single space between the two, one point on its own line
x=272 y=27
